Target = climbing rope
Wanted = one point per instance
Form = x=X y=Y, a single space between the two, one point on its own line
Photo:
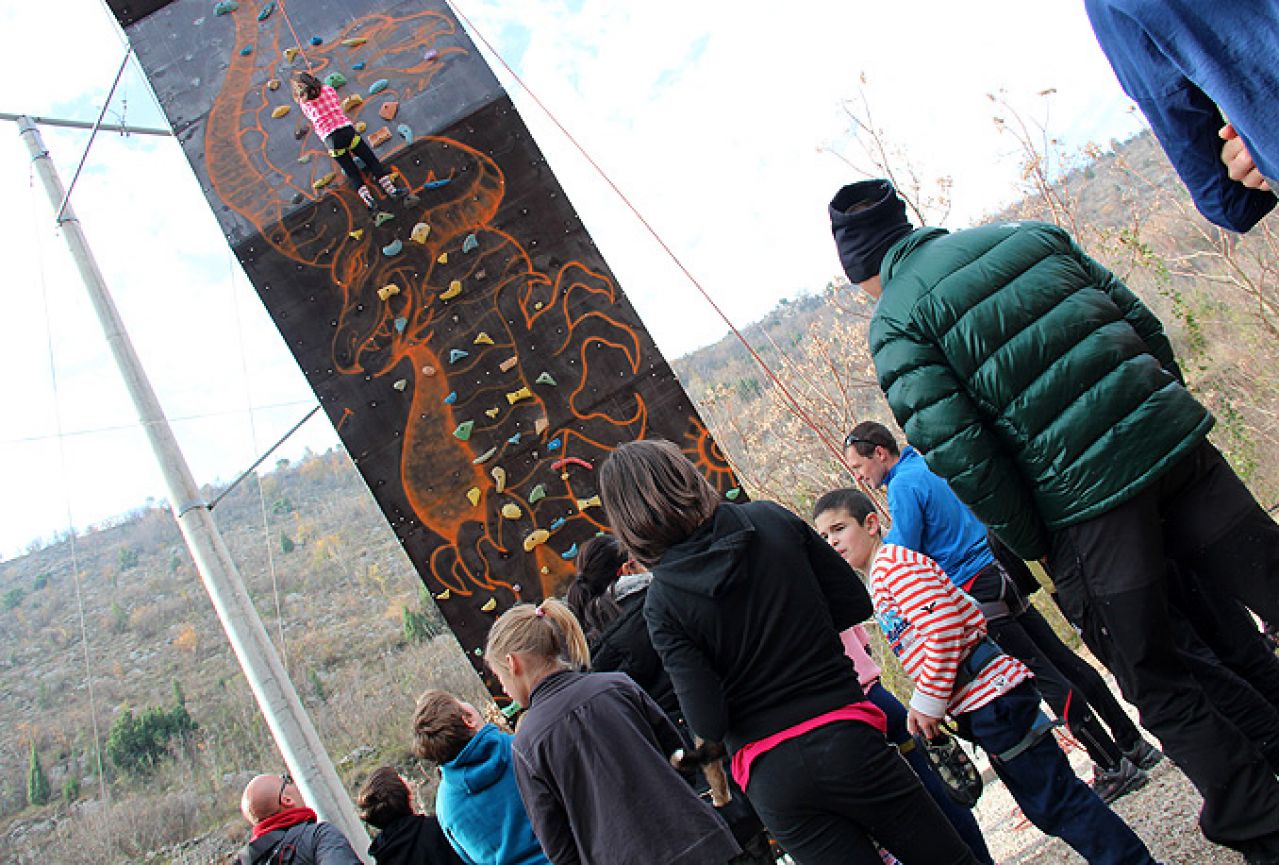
x=790 y=401
x=296 y=41
x=106 y=103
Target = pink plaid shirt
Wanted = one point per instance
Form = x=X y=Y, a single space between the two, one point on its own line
x=325 y=112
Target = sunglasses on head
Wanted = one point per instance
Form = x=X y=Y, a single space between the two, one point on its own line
x=852 y=439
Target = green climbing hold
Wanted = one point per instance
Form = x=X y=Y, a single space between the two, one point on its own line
x=456 y=354
x=266 y=11
x=226 y=7
x=378 y=86
x=485 y=457
x=732 y=494
x=536 y=494
x=463 y=431
x=470 y=244
x=395 y=247
x=382 y=216
x=335 y=80
x=546 y=378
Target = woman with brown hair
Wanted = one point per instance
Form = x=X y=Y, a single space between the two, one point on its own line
x=745 y=610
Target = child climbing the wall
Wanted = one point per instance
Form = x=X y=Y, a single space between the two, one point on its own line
x=320 y=104
x=581 y=735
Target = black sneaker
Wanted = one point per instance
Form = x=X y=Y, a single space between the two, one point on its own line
x=1110 y=784
x=1144 y=755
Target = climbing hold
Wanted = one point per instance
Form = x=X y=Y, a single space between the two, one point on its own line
x=395 y=247
x=732 y=494
x=478 y=651
x=575 y=461
x=516 y=395
x=304 y=159
x=489 y=606
x=493 y=412
x=483 y=338
x=401 y=384
x=546 y=378
x=463 y=431
x=536 y=494
x=540 y=425
x=499 y=478
x=444 y=595
x=536 y=539
x=515 y=439
x=300 y=132
x=553 y=445
x=470 y=244
x=358 y=65
x=570 y=553
x=592 y=502
x=454 y=289
x=388 y=109
x=545 y=570
x=405 y=132
x=246 y=50
x=323 y=181
x=335 y=80
x=451 y=398
x=317 y=41
x=538 y=305
x=428 y=370
x=378 y=86
x=290 y=54
x=481 y=273
x=360 y=126
x=226 y=7
x=443 y=258
x=430 y=55
x=382 y=216
x=436 y=184
x=485 y=457
x=508 y=364
x=377 y=139
x=386 y=292
x=265 y=12
x=280 y=111
x=357 y=235
x=512 y=511
x=273 y=84
x=352 y=102
x=354 y=43
x=557 y=524
x=420 y=233
x=401 y=323
x=473 y=496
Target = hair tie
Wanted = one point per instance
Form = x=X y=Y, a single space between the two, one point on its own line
x=539 y=612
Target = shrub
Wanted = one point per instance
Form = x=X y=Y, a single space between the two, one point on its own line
x=126 y=558
x=286 y=543
x=37 y=782
x=136 y=744
x=70 y=789
x=12 y=598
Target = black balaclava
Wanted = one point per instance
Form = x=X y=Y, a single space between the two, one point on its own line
x=863 y=237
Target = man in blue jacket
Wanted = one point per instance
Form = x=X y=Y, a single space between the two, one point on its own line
x=1186 y=63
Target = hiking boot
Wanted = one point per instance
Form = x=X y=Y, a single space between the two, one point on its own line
x=1144 y=755
x=1110 y=784
x=366 y=195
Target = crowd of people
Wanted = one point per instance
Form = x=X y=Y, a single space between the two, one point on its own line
x=1046 y=420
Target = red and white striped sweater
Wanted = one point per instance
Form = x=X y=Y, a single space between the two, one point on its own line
x=932 y=626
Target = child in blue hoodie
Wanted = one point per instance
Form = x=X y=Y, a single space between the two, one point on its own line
x=477 y=803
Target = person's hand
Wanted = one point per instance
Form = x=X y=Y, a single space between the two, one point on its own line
x=1238 y=161
x=919 y=724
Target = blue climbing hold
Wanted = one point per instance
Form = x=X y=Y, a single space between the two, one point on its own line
x=470 y=244
x=358 y=65
x=456 y=354
x=226 y=7
x=266 y=11
x=514 y=440
x=246 y=50
x=553 y=445
x=451 y=398
x=405 y=132
x=316 y=40
x=401 y=323
x=395 y=247
x=378 y=86
x=570 y=553
x=436 y=184
x=557 y=524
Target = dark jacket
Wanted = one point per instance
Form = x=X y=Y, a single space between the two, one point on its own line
x=592 y=761
x=413 y=840
x=626 y=647
x=1032 y=380
x=303 y=844
x=746 y=615
x=1186 y=63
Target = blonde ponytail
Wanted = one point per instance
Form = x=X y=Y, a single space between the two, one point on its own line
x=549 y=631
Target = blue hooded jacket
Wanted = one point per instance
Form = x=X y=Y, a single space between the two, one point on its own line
x=478 y=804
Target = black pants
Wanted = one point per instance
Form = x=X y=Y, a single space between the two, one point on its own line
x=1075 y=691
x=824 y=795
x=340 y=140
x=1112 y=580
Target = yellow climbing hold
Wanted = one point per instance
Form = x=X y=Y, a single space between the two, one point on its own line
x=357 y=234
x=483 y=338
x=493 y=412
x=516 y=395
x=473 y=496
x=354 y=43
x=443 y=259
x=592 y=502
x=361 y=126
x=323 y=181
x=545 y=570
x=352 y=102
x=280 y=111
x=386 y=292
x=444 y=595
x=290 y=54
x=401 y=384
x=499 y=478
x=489 y=606
x=273 y=84
x=454 y=289
x=508 y=364
x=512 y=511
x=420 y=233
x=536 y=539
x=538 y=305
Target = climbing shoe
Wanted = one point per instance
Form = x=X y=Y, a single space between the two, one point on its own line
x=951 y=763
x=388 y=186
x=366 y=195
x=1110 y=784
x=1144 y=755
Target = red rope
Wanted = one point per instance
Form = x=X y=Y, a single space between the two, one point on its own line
x=296 y=41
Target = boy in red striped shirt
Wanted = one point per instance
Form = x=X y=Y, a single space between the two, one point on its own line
x=939 y=635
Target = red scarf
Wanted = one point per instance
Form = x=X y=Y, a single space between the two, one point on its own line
x=283 y=820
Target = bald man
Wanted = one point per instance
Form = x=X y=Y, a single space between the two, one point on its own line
x=285 y=831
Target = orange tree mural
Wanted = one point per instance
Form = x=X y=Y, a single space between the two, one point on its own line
x=469 y=343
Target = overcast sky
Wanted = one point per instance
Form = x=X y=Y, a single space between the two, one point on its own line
x=715 y=125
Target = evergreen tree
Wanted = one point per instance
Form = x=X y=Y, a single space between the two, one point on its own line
x=37 y=782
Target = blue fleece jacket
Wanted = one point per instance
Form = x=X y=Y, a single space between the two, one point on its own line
x=1188 y=62
x=479 y=807
x=929 y=518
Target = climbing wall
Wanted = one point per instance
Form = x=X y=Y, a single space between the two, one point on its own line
x=469 y=343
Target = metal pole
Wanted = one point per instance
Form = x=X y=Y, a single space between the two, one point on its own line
x=296 y=737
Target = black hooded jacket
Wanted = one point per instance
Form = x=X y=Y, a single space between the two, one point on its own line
x=746 y=616
x=413 y=840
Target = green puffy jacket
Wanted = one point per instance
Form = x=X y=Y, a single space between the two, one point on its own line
x=1033 y=381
